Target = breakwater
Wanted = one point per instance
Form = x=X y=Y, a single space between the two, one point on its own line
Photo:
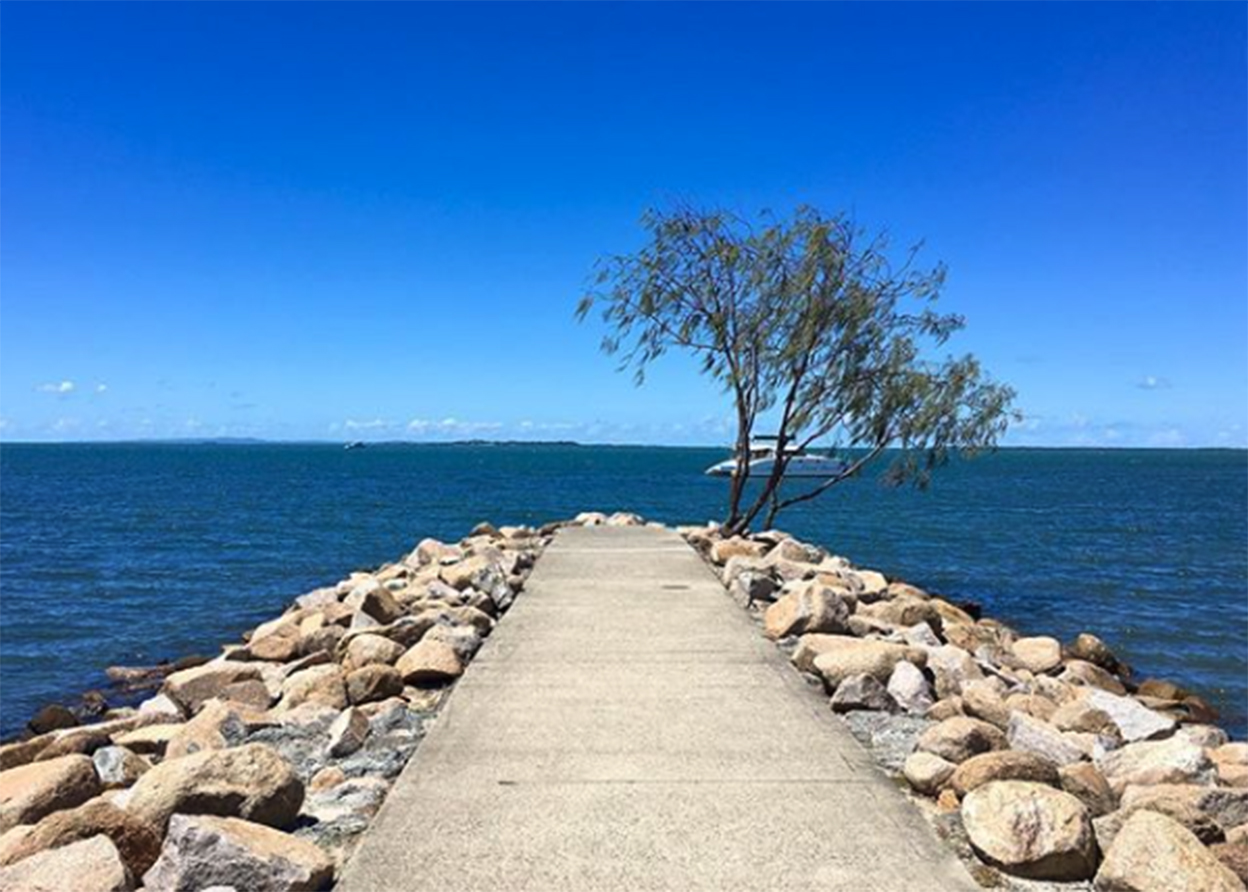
x=1036 y=758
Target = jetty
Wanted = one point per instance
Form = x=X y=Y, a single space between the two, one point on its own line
x=627 y=728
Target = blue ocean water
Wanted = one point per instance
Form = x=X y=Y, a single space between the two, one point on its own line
x=127 y=554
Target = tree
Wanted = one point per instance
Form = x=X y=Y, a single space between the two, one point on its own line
x=806 y=318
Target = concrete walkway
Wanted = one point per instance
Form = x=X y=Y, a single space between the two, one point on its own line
x=627 y=728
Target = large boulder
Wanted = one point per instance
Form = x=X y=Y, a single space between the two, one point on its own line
x=92 y=865
x=202 y=851
x=1003 y=765
x=959 y=738
x=430 y=661
x=1134 y=720
x=1205 y=828
x=1030 y=830
x=1173 y=761
x=191 y=688
x=137 y=841
x=251 y=782
x=29 y=792
x=1227 y=806
x=1153 y=853
x=846 y=656
x=813 y=608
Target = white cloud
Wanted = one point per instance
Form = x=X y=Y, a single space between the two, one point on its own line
x=376 y=424
x=60 y=387
x=101 y=388
x=452 y=427
x=1152 y=382
x=1170 y=437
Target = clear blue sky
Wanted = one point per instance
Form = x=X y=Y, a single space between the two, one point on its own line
x=374 y=221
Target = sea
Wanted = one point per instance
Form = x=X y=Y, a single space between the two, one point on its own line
x=127 y=554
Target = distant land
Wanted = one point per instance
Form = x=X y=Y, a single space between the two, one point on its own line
x=563 y=444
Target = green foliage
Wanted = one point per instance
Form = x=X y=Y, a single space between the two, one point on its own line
x=809 y=317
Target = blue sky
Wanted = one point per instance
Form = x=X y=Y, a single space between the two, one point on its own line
x=374 y=221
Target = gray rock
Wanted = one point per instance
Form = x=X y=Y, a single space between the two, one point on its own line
x=890 y=738
x=1034 y=736
x=1135 y=720
x=204 y=851
x=909 y=688
x=862 y=692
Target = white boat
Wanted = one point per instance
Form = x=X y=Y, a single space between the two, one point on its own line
x=762 y=460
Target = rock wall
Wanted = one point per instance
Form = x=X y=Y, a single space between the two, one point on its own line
x=1048 y=766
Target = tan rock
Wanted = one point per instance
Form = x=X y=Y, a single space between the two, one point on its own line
x=29 y=792
x=1033 y=705
x=1039 y=655
x=953 y=669
x=429 y=661
x=903 y=612
x=811 y=609
x=1030 y=830
x=945 y=709
x=927 y=773
x=80 y=741
x=1234 y=855
x=136 y=841
x=150 y=740
x=1082 y=716
x=845 y=656
x=1091 y=649
x=1205 y=828
x=959 y=738
x=1079 y=672
x=323 y=684
x=1153 y=853
x=1230 y=754
x=366 y=650
x=92 y=865
x=981 y=700
x=724 y=549
x=1173 y=761
x=1001 y=766
x=1229 y=807
x=22 y=752
x=202 y=851
x=282 y=644
x=1083 y=781
x=191 y=688
x=872 y=584
x=251 y=781
x=374 y=682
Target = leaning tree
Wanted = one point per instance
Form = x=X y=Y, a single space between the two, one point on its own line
x=805 y=321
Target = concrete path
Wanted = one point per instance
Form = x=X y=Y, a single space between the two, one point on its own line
x=627 y=728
